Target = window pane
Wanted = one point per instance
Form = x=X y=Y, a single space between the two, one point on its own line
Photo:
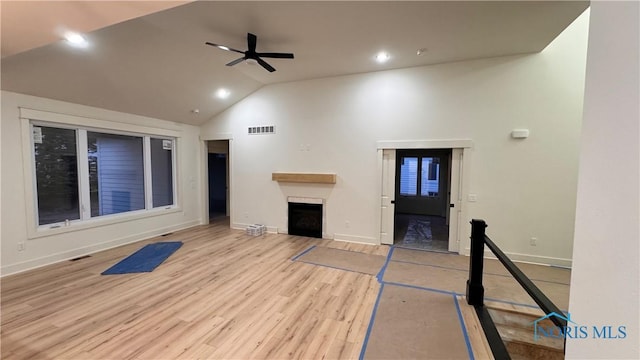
x=409 y=176
x=56 y=164
x=162 y=172
x=116 y=173
x=430 y=180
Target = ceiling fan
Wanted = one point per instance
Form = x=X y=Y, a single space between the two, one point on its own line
x=251 y=55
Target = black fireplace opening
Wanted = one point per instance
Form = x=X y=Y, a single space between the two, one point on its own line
x=305 y=219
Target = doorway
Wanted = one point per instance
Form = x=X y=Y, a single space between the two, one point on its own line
x=421 y=202
x=218 y=180
x=422 y=198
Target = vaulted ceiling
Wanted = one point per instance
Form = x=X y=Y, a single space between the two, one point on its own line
x=149 y=58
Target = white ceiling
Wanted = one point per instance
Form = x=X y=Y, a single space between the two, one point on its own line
x=157 y=65
x=29 y=24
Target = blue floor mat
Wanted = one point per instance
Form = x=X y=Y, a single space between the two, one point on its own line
x=145 y=259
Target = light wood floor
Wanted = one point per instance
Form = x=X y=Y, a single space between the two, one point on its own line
x=222 y=295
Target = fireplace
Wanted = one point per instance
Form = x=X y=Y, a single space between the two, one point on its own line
x=305 y=219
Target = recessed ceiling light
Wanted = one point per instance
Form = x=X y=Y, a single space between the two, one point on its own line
x=421 y=51
x=223 y=93
x=75 y=39
x=382 y=57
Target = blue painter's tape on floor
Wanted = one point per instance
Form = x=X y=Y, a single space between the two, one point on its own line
x=467 y=270
x=464 y=328
x=331 y=267
x=375 y=306
x=431 y=265
x=427 y=250
x=145 y=259
x=420 y=288
x=371 y=321
x=302 y=253
x=380 y=275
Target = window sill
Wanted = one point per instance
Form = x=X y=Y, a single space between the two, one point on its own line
x=78 y=225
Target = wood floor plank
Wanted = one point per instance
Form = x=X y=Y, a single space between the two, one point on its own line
x=477 y=340
x=340 y=349
x=223 y=294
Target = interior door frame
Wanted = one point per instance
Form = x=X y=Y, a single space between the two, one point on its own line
x=204 y=176
x=457 y=146
x=387 y=195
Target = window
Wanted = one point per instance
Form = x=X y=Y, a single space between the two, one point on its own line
x=430 y=180
x=120 y=173
x=116 y=173
x=427 y=184
x=409 y=176
x=56 y=164
x=162 y=172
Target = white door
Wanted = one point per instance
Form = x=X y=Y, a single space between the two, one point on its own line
x=388 y=194
x=455 y=199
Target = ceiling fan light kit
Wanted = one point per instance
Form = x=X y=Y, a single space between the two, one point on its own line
x=251 y=56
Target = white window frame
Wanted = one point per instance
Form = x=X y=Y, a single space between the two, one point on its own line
x=31 y=117
x=419 y=178
x=174 y=177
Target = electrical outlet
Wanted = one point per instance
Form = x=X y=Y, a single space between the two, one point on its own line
x=533 y=241
x=21 y=246
x=472 y=198
x=347 y=224
x=246 y=215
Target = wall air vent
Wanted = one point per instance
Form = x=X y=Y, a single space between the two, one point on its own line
x=261 y=130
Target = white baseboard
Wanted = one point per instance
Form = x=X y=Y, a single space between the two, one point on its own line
x=71 y=254
x=355 y=239
x=532 y=259
x=240 y=226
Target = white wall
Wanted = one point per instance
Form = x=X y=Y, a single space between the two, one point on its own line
x=605 y=277
x=44 y=250
x=525 y=188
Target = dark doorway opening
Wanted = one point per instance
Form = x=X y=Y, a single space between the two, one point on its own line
x=305 y=219
x=217 y=185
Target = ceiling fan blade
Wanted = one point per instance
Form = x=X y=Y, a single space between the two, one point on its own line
x=236 y=61
x=265 y=65
x=251 y=42
x=222 y=47
x=276 y=55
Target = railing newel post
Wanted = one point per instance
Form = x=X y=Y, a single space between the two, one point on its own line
x=475 y=290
